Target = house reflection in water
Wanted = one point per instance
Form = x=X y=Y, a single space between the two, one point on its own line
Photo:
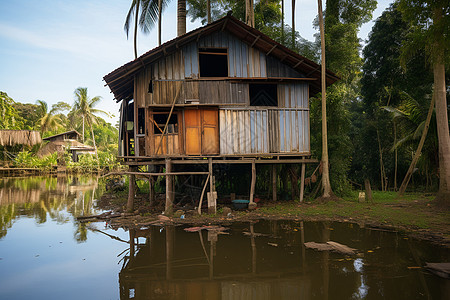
x=243 y=267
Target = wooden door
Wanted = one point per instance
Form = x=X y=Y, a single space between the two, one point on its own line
x=202 y=131
x=193 y=131
x=210 y=131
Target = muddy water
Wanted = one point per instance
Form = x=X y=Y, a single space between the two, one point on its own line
x=46 y=254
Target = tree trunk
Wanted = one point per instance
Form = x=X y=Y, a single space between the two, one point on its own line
x=395 y=157
x=443 y=195
x=208 y=9
x=419 y=148
x=327 y=192
x=249 y=14
x=159 y=21
x=293 y=24
x=181 y=17
x=138 y=3
x=282 y=21
x=83 y=129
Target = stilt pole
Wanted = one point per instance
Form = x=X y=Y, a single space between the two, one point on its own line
x=169 y=188
x=302 y=182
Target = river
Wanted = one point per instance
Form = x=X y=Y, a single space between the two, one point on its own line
x=46 y=254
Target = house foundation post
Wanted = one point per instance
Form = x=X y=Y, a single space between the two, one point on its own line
x=274 y=182
x=131 y=191
x=302 y=181
x=212 y=195
x=169 y=188
x=252 y=204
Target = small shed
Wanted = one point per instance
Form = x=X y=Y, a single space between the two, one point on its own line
x=66 y=141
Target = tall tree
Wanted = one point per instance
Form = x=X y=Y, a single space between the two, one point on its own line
x=8 y=114
x=430 y=25
x=181 y=17
x=326 y=185
x=84 y=107
x=293 y=23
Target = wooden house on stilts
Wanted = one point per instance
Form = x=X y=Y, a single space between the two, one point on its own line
x=224 y=93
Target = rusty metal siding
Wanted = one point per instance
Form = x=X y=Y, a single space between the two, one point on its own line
x=294 y=95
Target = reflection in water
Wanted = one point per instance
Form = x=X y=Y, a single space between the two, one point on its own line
x=47 y=197
x=257 y=260
x=270 y=263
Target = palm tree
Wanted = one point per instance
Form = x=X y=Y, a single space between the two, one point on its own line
x=181 y=17
x=50 y=120
x=84 y=108
x=147 y=18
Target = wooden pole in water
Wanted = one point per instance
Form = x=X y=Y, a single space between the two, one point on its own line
x=169 y=188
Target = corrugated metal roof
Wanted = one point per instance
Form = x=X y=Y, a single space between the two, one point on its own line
x=121 y=80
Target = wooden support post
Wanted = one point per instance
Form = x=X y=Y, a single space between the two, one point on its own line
x=252 y=204
x=274 y=182
x=131 y=193
x=212 y=195
x=302 y=182
x=151 y=189
x=169 y=188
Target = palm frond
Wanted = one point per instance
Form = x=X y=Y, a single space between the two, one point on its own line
x=129 y=17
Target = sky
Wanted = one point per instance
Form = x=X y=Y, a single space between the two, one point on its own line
x=48 y=48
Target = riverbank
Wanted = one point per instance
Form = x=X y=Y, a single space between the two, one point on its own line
x=414 y=214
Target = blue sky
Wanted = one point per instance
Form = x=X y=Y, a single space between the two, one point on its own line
x=48 y=48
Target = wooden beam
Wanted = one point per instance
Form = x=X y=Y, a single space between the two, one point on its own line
x=299 y=63
x=254 y=42
x=270 y=51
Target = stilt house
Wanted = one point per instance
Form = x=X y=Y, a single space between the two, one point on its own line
x=223 y=91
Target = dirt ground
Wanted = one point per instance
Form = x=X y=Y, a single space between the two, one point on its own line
x=416 y=217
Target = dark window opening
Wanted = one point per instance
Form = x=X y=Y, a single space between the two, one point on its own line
x=150 y=87
x=263 y=95
x=160 y=121
x=213 y=62
x=141 y=121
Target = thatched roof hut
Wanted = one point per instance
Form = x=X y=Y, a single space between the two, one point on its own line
x=19 y=137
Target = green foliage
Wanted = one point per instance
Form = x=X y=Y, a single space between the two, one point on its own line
x=26 y=159
x=9 y=118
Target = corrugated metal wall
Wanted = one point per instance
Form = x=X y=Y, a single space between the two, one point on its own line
x=260 y=131
x=293 y=95
x=243 y=131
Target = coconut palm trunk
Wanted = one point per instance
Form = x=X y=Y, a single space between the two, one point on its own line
x=326 y=186
x=159 y=21
x=136 y=28
x=208 y=10
x=181 y=17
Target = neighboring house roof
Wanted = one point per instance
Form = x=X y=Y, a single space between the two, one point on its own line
x=60 y=146
x=121 y=80
x=19 y=137
x=72 y=132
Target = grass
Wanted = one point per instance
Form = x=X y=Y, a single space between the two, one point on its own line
x=411 y=210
